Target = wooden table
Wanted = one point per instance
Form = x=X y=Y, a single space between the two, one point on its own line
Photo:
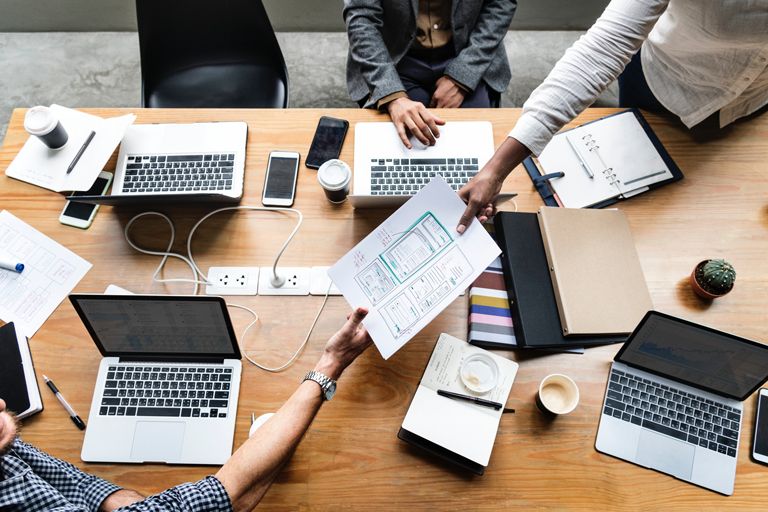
x=351 y=458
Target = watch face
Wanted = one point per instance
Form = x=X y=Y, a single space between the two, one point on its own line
x=331 y=390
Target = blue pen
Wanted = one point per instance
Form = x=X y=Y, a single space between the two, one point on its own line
x=11 y=265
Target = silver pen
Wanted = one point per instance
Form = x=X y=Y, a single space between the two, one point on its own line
x=584 y=164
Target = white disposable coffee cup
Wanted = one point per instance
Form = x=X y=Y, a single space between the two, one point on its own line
x=335 y=176
x=43 y=124
x=558 y=394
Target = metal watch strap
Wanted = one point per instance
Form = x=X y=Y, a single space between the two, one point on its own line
x=324 y=381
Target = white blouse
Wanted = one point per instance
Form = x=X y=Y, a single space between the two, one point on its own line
x=698 y=56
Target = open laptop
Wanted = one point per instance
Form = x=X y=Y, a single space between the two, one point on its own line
x=160 y=163
x=387 y=173
x=674 y=399
x=168 y=384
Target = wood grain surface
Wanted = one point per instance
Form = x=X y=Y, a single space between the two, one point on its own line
x=351 y=458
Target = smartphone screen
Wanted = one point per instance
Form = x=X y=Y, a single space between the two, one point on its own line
x=83 y=211
x=281 y=178
x=326 y=145
x=761 y=426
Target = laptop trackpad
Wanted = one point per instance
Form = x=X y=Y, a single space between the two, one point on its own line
x=665 y=454
x=158 y=441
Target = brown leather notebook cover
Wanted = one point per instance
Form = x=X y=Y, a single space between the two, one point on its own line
x=596 y=275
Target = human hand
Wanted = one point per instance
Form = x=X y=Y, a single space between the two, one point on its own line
x=447 y=94
x=480 y=194
x=344 y=346
x=411 y=116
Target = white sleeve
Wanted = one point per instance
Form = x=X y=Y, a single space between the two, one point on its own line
x=586 y=70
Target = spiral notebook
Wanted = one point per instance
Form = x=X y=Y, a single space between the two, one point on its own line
x=601 y=162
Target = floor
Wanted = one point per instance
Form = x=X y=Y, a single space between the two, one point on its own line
x=93 y=69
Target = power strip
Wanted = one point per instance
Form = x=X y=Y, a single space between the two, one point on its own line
x=232 y=281
x=258 y=281
x=297 y=281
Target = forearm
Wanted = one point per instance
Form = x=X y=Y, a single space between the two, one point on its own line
x=364 y=21
x=253 y=467
x=586 y=70
x=491 y=26
x=507 y=156
x=121 y=498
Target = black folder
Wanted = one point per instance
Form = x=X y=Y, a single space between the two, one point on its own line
x=532 y=300
x=14 y=383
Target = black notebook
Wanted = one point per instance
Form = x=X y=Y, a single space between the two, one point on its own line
x=602 y=162
x=534 y=309
x=18 y=384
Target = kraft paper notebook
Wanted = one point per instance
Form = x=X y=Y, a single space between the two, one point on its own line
x=596 y=275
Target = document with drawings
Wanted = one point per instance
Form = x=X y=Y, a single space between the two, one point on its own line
x=50 y=272
x=413 y=265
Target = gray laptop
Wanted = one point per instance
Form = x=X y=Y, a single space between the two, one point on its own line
x=674 y=400
x=168 y=384
x=176 y=162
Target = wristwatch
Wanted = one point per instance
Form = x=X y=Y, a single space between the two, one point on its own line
x=327 y=384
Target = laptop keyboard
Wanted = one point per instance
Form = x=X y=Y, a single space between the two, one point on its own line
x=178 y=173
x=186 y=391
x=671 y=411
x=405 y=177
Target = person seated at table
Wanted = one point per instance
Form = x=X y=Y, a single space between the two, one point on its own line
x=32 y=480
x=407 y=56
x=702 y=61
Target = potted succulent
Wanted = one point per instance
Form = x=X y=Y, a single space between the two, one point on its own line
x=711 y=279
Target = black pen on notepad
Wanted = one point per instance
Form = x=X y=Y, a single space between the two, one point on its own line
x=469 y=398
x=81 y=151
x=72 y=414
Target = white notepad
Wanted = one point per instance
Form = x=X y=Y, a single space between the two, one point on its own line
x=616 y=151
x=464 y=428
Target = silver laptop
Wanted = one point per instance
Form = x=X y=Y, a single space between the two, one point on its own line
x=387 y=174
x=168 y=383
x=674 y=400
x=178 y=162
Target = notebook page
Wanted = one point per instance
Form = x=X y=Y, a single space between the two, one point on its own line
x=619 y=147
x=576 y=189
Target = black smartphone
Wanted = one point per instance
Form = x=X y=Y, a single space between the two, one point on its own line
x=327 y=142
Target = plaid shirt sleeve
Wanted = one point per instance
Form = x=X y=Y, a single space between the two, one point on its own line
x=81 y=490
x=206 y=495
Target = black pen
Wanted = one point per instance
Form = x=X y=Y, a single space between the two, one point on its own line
x=469 y=398
x=80 y=153
x=72 y=414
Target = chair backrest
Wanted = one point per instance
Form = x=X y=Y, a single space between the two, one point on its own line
x=176 y=35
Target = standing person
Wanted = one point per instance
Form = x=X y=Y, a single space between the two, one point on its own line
x=32 y=480
x=704 y=61
x=406 y=56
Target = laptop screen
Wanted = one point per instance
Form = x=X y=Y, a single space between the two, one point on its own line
x=142 y=325
x=702 y=357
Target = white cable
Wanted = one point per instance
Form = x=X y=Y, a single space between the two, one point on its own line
x=298 y=350
x=190 y=261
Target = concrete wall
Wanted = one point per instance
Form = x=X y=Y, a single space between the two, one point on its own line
x=286 y=15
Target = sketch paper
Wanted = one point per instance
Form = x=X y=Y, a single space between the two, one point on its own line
x=39 y=165
x=413 y=266
x=51 y=271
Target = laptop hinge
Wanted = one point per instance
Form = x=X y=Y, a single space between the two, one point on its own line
x=157 y=359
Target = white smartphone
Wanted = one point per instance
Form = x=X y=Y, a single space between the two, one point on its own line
x=80 y=215
x=280 y=182
x=760 y=442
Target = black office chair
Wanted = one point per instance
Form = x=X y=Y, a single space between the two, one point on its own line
x=205 y=53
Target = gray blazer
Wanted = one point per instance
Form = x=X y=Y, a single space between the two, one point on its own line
x=380 y=33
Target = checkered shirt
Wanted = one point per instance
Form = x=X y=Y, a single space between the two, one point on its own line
x=31 y=480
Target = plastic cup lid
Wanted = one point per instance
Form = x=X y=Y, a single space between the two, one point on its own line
x=39 y=120
x=334 y=175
